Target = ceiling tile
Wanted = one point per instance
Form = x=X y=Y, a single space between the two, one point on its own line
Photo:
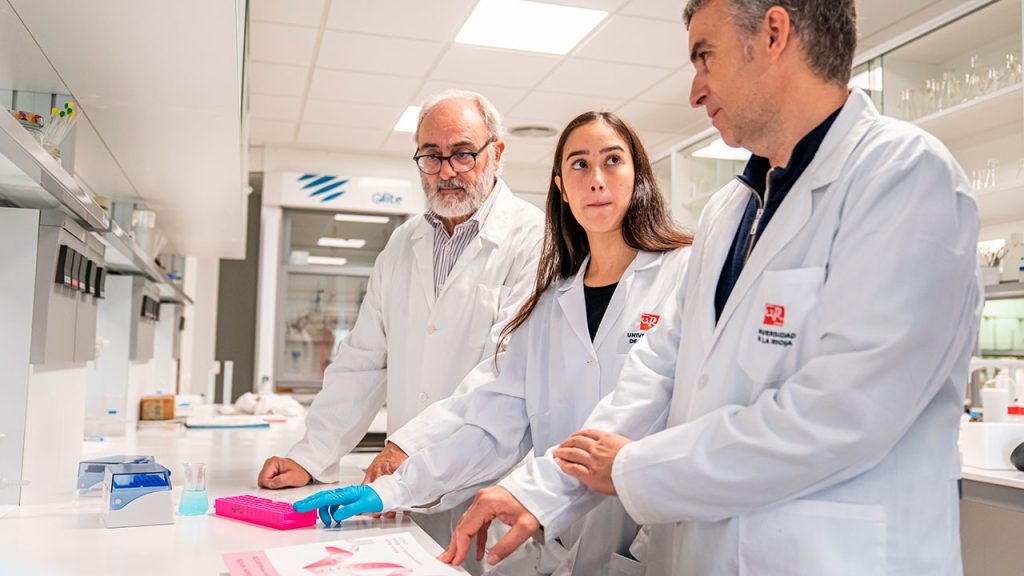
x=493 y=66
x=297 y=12
x=664 y=43
x=527 y=151
x=661 y=117
x=438 y=21
x=558 y=109
x=578 y=76
x=355 y=115
x=270 y=132
x=502 y=98
x=674 y=90
x=281 y=43
x=277 y=79
x=606 y=5
x=399 y=144
x=275 y=107
x=326 y=136
x=671 y=10
x=655 y=141
x=366 y=53
x=363 y=88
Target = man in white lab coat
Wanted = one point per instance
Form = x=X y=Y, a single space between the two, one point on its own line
x=440 y=292
x=801 y=418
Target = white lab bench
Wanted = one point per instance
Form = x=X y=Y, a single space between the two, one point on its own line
x=70 y=538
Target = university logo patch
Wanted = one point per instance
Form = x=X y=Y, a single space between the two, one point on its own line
x=774 y=315
x=648 y=321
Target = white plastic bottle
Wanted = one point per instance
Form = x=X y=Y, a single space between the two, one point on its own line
x=1009 y=265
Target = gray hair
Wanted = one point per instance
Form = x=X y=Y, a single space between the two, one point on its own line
x=492 y=119
x=827 y=30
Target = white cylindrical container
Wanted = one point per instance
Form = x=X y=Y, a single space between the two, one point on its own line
x=995 y=401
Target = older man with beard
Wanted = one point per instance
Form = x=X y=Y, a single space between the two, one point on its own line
x=440 y=292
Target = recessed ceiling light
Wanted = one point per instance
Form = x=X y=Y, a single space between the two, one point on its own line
x=341 y=243
x=528 y=26
x=407 y=123
x=362 y=219
x=719 y=150
x=532 y=131
x=327 y=261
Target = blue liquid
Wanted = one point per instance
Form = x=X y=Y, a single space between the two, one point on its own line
x=193 y=503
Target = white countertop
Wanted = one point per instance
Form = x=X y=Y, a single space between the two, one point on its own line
x=1009 y=478
x=70 y=537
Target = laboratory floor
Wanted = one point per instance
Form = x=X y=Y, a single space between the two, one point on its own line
x=70 y=538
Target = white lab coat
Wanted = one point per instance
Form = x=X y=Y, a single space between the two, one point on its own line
x=551 y=376
x=823 y=440
x=411 y=348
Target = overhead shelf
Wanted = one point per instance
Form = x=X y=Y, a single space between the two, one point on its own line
x=172 y=292
x=31 y=178
x=127 y=256
x=999 y=108
x=1001 y=204
x=1004 y=290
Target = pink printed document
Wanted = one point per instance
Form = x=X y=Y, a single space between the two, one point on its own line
x=395 y=554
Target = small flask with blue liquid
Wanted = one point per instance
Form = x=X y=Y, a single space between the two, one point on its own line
x=194 y=501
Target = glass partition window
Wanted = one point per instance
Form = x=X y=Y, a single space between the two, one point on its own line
x=1002 y=328
x=702 y=168
x=975 y=57
x=327 y=260
x=319 y=312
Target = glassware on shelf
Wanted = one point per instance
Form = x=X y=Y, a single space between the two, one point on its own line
x=976 y=179
x=1012 y=69
x=971 y=82
x=991 y=173
x=908 y=104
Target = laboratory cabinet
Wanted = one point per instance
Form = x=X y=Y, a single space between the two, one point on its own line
x=958 y=77
x=145 y=314
x=68 y=283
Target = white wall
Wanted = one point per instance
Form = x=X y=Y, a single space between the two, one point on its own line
x=199 y=340
x=53 y=433
x=266 y=298
x=18 y=229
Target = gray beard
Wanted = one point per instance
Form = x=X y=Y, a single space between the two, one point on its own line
x=471 y=199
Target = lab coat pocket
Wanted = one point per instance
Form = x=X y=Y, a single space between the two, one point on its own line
x=484 y=313
x=813 y=537
x=780 y=323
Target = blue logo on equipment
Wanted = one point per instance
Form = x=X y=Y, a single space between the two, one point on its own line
x=326 y=187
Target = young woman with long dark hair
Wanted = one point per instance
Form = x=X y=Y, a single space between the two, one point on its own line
x=610 y=265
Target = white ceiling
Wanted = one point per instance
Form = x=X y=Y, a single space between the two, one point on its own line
x=337 y=75
x=332 y=74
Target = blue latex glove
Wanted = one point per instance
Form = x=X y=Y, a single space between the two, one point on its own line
x=341 y=503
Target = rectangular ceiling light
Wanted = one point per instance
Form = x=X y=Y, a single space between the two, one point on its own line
x=361 y=219
x=407 y=123
x=719 y=150
x=528 y=26
x=341 y=243
x=327 y=261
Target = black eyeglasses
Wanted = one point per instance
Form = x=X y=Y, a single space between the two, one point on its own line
x=430 y=164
